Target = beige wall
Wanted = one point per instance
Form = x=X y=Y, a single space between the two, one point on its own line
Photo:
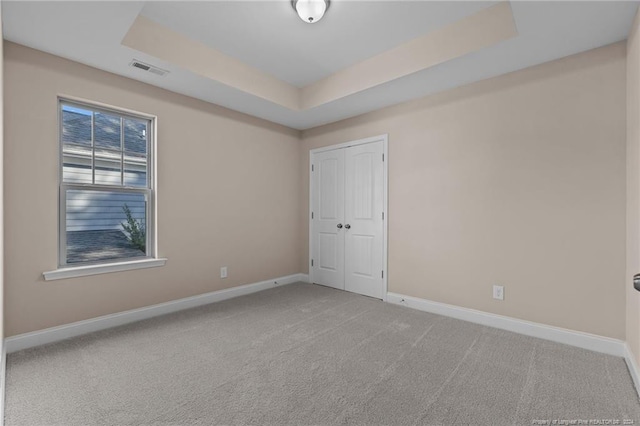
x=519 y=181
x=228 y=195
x=633 y=188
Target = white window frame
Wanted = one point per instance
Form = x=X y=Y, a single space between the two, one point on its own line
x=66 y=270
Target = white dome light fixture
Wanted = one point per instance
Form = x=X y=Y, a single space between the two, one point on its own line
x=310 y=11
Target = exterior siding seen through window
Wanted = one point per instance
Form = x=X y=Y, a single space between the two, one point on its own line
x=105 y=185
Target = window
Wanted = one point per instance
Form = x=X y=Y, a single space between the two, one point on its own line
x=106 y=185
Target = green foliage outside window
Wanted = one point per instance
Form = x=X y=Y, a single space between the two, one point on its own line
x=134 y=228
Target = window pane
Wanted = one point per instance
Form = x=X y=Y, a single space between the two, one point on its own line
x=76 y=164
x=135 y=170
x=107 y=131
x=98 y=228
x=135 y=136
x=104 y=148
x=108 y=166
x=76 y=125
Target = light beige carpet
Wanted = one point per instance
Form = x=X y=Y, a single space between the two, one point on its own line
x=304 y=354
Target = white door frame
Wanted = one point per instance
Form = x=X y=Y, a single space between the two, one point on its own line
x=385 y=179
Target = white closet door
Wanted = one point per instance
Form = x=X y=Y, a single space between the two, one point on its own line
x=328 y=218
x=363 y=225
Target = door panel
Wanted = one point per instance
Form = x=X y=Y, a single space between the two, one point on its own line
x=328 y=211
x=364 y=204
x=363 y=263
x=362 y=188
x=328 y=189
x=327 y=253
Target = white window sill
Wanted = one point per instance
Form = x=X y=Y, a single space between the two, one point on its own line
x=82 y=271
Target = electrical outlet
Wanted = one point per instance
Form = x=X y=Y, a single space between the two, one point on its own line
x=498 y=292
x=223 y=272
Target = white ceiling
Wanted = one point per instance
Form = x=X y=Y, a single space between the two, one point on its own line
x=269 y=36
x=264 y=35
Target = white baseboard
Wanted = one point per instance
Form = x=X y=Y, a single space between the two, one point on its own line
x=304 y=278
x=54 y=334
x=561 y=335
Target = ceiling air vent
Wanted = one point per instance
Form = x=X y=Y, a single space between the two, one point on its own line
x=149 y=68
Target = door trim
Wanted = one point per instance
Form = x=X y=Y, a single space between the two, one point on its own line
x=385 y=203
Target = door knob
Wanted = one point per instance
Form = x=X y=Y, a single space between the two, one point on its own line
x=347 y=226
x=339 y=226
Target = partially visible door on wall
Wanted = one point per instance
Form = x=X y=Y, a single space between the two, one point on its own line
x=347 y=225
x=328 y=218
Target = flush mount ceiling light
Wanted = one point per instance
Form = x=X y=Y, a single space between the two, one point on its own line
x=310 y=11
